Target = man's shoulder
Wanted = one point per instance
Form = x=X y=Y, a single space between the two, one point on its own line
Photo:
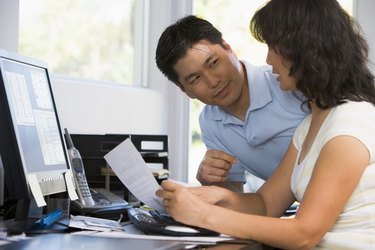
x=290 y=100
x=262 y=79
x=211 y=118
x=209 y=112
x=257 y=69
x=259 y=75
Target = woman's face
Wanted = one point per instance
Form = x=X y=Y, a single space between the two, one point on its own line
x=281 y=67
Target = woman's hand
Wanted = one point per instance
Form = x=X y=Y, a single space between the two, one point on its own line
x=187 y=205
x=212 y=194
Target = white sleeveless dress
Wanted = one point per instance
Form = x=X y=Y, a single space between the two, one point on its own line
x=355 y=226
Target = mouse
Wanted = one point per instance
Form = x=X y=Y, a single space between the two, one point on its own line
x=182 y=229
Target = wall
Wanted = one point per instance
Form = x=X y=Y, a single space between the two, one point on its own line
x=8 y=11
x=162 y=14
x=364 y=13
x=94 y=108
x=9 y=24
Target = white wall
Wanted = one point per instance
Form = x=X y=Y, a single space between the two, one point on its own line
x=364 y=13
x=9 y=24
x=91 y=108
x=8 y=10
x=163 y=13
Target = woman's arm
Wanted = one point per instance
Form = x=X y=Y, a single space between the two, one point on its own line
x=337 y=172
x=335 y=176
x=272 y=199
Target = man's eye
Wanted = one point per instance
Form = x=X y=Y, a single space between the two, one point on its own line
x=214 y=63
x=195 y=80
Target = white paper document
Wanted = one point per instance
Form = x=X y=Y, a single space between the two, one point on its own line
x=35 y=190
x=96 y=224
x=70 y=185
x=132 y=170
x=132 y=232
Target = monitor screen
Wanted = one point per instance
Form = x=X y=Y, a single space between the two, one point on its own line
x=31 y=142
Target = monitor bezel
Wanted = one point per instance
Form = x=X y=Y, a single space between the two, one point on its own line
x=50 y=181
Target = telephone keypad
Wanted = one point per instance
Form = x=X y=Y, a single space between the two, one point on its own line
x=83 y=186
x=145 y=218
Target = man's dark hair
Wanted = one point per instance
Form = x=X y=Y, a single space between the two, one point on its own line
x=329 y=56
x=178 y=38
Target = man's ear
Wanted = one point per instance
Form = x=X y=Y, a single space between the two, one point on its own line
x=186 y=93
x=227 y=46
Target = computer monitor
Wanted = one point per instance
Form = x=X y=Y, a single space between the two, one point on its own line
x=31 y=140
x=1 y=183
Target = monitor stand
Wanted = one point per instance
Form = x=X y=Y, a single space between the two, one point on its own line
x=27 y=214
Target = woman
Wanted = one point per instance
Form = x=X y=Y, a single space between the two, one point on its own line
x=314 y=47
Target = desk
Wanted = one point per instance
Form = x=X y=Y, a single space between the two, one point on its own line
x=116 y=240
x=68 y=241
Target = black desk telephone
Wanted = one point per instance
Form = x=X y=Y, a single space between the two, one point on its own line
x=95 y=202
x=154 y=222
x=106 y=205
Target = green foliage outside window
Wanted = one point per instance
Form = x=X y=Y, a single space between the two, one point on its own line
x=91 y=39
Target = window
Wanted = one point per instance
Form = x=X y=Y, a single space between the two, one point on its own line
x=232 y=18
x=92 y=39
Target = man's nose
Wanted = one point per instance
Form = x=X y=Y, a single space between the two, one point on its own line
x=213 y=80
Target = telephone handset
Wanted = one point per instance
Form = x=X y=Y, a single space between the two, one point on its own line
x=82 y=186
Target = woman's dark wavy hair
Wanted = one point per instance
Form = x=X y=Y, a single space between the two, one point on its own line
x=178 y=38
x=329 y=56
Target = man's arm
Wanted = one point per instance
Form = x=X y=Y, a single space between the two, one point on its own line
x=235 y=186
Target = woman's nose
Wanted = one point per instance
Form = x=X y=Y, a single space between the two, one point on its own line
x=268 y=58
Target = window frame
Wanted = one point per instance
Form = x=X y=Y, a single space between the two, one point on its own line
x=140 y=46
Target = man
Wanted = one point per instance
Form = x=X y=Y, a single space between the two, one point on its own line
x=248 y=121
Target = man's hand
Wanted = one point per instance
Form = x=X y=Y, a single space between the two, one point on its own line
x=215 y=167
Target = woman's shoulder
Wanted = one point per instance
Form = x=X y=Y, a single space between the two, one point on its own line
x=354 y=119
x=352 y=106
x=353 y=112
x=351 y=118
x=301 y=132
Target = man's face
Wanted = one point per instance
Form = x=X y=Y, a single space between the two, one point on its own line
x=211 y=74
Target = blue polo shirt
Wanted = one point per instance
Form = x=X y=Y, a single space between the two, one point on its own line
x=259 y=142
